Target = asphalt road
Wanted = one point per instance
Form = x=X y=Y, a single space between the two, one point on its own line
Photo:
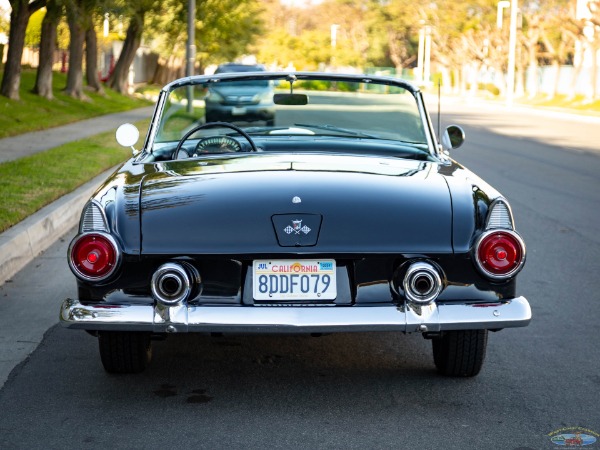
x=365 y=390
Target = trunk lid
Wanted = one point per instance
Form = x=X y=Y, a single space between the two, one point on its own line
x=264 y=204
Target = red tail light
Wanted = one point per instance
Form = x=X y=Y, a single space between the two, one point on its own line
x=500 y=254
x=93 y=256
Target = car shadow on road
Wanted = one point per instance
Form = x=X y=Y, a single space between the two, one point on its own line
x=199 y=368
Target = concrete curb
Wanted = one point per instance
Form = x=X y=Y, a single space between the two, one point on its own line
x=22 y=243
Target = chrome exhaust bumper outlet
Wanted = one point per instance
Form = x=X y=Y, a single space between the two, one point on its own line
x=175 y=282
x=422 y=283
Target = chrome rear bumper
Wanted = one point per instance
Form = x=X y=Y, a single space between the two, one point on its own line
x=253 y=319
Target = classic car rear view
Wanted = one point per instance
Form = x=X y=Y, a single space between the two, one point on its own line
x=341 y=214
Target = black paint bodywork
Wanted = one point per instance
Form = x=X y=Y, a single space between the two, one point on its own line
x=374 y=214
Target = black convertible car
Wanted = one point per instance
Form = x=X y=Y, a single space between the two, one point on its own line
x=349 y=215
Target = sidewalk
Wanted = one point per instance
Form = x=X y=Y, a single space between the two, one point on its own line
x=25 y=241
x=455 y=101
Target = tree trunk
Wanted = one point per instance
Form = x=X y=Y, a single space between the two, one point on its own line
x=43 y=81
x=457 y=81
x=533 y=84
x=160 y=72
x=595 y=50
x=19 y=17
x=91 y=61
x=74 y=86
x=520 y=74
x=133 y=39
x=556 y=83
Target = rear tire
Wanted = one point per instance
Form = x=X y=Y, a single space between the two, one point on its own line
x=460 y=353
x=124 y=351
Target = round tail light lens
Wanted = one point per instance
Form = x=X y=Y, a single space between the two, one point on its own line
x=93 y=256
x=500 y=254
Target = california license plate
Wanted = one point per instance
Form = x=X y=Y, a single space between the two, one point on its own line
x=294 y=280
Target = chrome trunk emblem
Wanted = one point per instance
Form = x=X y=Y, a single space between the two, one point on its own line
x=297 y=228
x=296 y=200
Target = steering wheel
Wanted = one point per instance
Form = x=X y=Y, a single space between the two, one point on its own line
x=213 y=125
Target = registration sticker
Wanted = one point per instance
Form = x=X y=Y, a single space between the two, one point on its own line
x=294 y=280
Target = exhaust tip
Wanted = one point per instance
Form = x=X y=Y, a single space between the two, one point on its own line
x=422 y=283
x=173 y=283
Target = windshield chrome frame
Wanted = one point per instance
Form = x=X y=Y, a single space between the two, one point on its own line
x=291 y=76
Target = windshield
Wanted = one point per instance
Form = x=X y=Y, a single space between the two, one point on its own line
x=304 y=111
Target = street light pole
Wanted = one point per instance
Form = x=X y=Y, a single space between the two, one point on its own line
x=500 y=13
x=512 y=47
x=191 y=51
x=424 y=54
x=420 y=55
x=427 y=56
x=334 y=30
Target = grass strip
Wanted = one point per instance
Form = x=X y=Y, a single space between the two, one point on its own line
x=576 y=104
x=32 y=112
x=28 y=184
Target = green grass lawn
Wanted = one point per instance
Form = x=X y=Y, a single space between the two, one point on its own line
x=30 y=183
x=32 y=112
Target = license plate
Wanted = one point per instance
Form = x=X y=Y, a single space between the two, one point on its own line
x=238 y=111
x=294 y=280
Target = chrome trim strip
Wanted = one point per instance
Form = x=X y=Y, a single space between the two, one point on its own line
x=248 y=319
x=493 y=222
x=153 y=128
x=427 y=125
x=89 y=215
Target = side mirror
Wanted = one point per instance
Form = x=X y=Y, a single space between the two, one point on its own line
x=453 y=137
x=127 y=135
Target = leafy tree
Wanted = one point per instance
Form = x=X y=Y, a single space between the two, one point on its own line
x=167 y=30
x=303 y=37
x=594 y=7
x=137 y=12
x=43 y=81
x=396 y=26
x=33 y=33
x=19 y=17
x=558 y=36
x=225 y=29
x=91 y=59
x=78 y=23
